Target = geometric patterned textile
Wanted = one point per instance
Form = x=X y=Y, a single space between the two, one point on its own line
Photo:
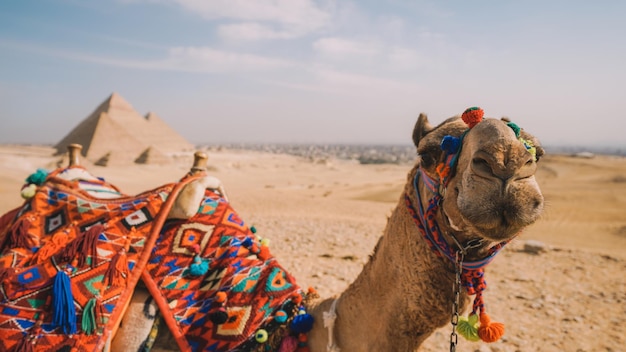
x=106 y=245
x=101 y=244
x=256 y=285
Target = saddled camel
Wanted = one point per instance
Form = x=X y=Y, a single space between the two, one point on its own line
x=471 y=191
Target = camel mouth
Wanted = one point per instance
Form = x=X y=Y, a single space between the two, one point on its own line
x=503 y=223
x=500 y=213
x=499 y=233
x=495 y=230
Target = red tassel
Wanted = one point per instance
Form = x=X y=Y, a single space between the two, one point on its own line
x=85 y=246
x=99 y=311
x=25 y=345
x=7 y=218
x=118 y=270
x=5 y=273
x=18 y=235
x=489 y=331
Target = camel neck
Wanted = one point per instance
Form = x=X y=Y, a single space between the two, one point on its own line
x=402 y=295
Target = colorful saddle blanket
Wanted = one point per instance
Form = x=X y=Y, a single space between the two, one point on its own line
x=69 y=263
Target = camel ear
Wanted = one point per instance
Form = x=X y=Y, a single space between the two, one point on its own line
x=421 y=129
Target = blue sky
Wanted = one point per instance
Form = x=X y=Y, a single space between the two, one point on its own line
x=315 y=71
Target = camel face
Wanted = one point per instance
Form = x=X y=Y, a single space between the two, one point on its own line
x=495 y=188
x=493 y=193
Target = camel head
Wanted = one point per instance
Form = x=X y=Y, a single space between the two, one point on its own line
x=489 y=191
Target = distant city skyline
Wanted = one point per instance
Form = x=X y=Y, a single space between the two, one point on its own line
x=315 y=71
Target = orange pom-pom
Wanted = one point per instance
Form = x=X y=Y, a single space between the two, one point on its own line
x=264 y=253
x=488 y=331
x=297 y=298
x=220 y=297
x=472 y=116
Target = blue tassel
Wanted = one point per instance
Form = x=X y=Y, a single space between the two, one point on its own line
x=302 y=323
x=199 y=266
x=63 y=311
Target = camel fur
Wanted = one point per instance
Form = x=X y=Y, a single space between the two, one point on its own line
x=404 y=292
x=405 y=289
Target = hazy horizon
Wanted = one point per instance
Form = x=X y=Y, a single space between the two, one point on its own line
x=314 y=71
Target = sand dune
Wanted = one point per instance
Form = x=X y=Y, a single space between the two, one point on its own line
x=324 y=219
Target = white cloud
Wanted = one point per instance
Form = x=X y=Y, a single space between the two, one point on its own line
x=205 y=59
x=183 y=59
x=405 y=59
x=288 y=18
x=254 y=31
x=342 y=83
x=369 y=54
x=342 y=48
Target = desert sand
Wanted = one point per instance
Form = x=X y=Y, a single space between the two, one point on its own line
x=324 y=218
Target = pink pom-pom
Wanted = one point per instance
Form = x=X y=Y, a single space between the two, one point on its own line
x=472 y=116
x=289 y=344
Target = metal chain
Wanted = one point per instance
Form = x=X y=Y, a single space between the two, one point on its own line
x=456 y=290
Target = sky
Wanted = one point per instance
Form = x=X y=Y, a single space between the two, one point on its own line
x=315 y=71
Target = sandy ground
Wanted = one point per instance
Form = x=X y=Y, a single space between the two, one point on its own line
x=324 y=218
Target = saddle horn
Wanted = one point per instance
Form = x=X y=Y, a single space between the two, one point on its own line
x=199 y=162
x=74 y=153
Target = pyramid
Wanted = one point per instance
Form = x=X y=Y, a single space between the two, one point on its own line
x=151 y=156
x=115 y=133
x=155 y=135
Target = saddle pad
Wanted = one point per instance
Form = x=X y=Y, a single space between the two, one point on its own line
x=68 y=257
x=237 y=263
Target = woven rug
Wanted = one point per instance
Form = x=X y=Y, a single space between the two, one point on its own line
x=69 y=263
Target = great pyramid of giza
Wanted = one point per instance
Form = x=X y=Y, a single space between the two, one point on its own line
x=116 y=133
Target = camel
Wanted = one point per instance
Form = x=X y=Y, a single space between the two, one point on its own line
x=405 y=291
x=471 y=190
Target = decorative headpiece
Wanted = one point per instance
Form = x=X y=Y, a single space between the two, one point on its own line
x=472 y=116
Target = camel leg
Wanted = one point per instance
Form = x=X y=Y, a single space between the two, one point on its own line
x=136 y=323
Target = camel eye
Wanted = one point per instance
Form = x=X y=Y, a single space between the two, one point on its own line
x=481 y=166
x=480 y=163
